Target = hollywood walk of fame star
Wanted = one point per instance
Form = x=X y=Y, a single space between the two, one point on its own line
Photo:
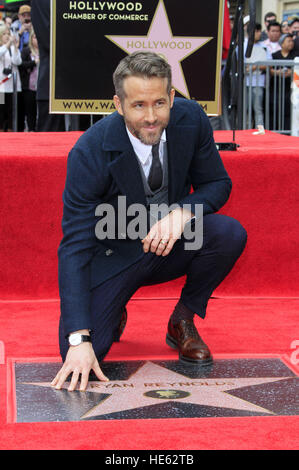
x=152 y=384
x=161 y=40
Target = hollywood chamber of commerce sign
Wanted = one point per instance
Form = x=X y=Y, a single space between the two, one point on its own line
x=89 y=38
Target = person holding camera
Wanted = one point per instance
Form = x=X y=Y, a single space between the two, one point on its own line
x=22 y=27
x=29 y=74
x=294 y=31
x=10 y=59
x=294 y=27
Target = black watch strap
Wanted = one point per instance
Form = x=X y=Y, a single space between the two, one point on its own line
x=76 y=338
x=85 y=338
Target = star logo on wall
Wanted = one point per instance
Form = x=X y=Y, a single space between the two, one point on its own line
x=152 y=384
x=160 y=39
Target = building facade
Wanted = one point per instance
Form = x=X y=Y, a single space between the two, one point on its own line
x=285 y=9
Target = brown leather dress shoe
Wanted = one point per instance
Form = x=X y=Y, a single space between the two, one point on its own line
x=184 y=337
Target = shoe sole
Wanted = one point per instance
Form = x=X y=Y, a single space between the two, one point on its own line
x=186 y=360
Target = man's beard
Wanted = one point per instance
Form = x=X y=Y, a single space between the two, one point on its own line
x=147 y=138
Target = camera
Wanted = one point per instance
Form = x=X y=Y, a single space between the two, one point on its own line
x=27 y=21
x=7 y=70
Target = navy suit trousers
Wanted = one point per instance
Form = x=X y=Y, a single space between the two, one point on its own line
x=224 y=239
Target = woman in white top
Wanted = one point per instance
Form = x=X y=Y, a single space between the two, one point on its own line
x=10 y=59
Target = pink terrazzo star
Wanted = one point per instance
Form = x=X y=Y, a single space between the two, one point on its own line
x=161 y=40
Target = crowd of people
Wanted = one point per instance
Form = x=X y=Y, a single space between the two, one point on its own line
x=278 y=41
x=19 y=59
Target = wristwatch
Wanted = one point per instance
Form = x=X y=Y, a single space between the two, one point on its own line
x=76 y=338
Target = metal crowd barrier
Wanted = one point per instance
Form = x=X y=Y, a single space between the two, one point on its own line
x=277 y=92
x=14 y=103
x=277 y=95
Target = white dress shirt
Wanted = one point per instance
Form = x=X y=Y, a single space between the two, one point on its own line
x=144 y=152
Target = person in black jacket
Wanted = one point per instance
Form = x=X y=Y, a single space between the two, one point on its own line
x=29 y=74
x=40 y=15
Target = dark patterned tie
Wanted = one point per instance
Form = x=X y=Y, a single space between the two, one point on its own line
x=156 y=173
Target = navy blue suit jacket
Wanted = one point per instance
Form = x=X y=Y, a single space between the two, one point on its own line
x=102 y=166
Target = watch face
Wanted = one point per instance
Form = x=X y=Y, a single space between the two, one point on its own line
x=75 y=339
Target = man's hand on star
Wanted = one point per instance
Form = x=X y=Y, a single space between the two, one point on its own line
x=79 y=360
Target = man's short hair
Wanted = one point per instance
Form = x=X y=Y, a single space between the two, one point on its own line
x=141 y=64
x=258 y=27
x=294 y=20
x=270 y=14
x=273 y=23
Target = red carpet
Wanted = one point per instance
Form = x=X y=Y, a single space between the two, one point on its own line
x=264 y=198
x=254 y=312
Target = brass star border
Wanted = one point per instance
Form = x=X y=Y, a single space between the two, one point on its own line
x=157 y=389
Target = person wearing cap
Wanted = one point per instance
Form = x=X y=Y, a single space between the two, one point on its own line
x=246 y=20
x=23 y=25
x=245 y=23
x=286 y=43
